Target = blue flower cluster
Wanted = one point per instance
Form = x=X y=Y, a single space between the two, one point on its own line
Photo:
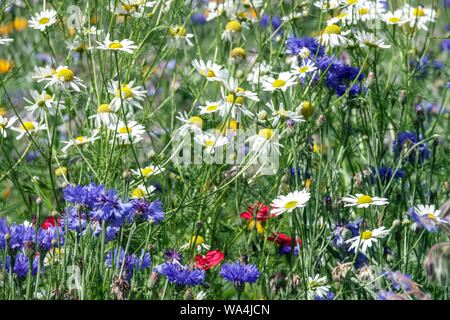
x=97 y=205
x=408 y=139
x=385 y=174
x=295 y=45
x=130 y=263
x=329 y=296
x=181 y=275
x=239 y=273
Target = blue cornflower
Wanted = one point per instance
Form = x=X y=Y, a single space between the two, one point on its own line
x=74 y=220
x=385 y=295
x=84 y=195
x=149 y=211
x=19 y=234
x=405 y=140
x=239 y=273
x=45 y=237
x=21 y=265
x=275 y=21
x=295 y=45
x=32 y=156
x=385 y=174
x=181 y=275
x=398 y=279
x=111 y=209
x=4 y=229
x=198 y=18
x=173 y=256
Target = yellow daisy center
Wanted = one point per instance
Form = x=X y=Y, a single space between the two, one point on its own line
x=178 y=32
x=365 y=199
x=265 y=133
x=127 y=92
x=278 y=83
x=303 y=69
x=104 y=108
x=238 y=53
x=237 y=100
x=209 y=74
x=125 y=130
x=366 y=235
x=196 y=121
x=332 y=29
x=138 y=193
x=199 y=241
x=211 y=108
x=44 y=20
x=27 y=125
x=233 y=26
x=363 y=11
x=80 y=139
x=147 y=171
x=130 y=7
x=41 y=103
x=307 y=109
x=394 y=20
x=209 y=143
x=65 y=75
x=431 y=216
x=418 y=12
x=290 y=204
x=115 y=45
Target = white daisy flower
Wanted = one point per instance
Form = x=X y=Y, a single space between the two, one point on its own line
x=317 y=287
x=128 y=95
x=5 y=123
x=134 y=8
x=43 y=73
x=339 y=18
x=397 y=17
x=366 y=238
x=258 y=72
x=234 y=101
x=141 y=191
x=210 y=70
x=326 y=5
x=364 y=11
x=198 y=242
x=281 y=113
x=303 y=70
x=264 y=143
x=180 y=37
x=333 y=36
x=43 y=103
x=211 y=107
x=427 y=216
x=79 y=141
x=292 y=16
x=420 y=16
x=283 y=82
x=288 y=203
x=214 y=10
x=133 y=130
x=210 y=141
x=200 y=296
x=31 y=126
x=192 y=124
x=43 y=20
x=364 y=201
x=148 y=171
x=104 y=116
x=366 y=39
x=64 y=77
x=233 y=30
x=124 y=45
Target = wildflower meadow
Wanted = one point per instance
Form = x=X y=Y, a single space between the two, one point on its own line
x=224 y=150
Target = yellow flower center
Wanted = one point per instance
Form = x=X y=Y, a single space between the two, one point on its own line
x=364 y=199
x=290 y=204
x=233 y=26
x=209 y=74
x=130 y=7
x=41 y=103
x=236 y=100
x=278 y=83
x=366 y=235
x=303 y=69
x=138 y=193
x=418 y=12
x=44 y=20
x=196 y=121
x=147 y=171
x=352 y=1
x=126 y=91
x=211 y=108
x=342 y=15
x=431 y=216
x=28 y=125
x=209 y=143
x=65 y=75
x=265 y=133
x=104 y=108
x=178 y=32
x=332 y=29
x=5 y=66
x=394 y=20
x=307 y=109
x=125 y=130
x=61 y=171
x=115 y=45
x=363 y=11
x=238 y=53
x=80 y=139
x=199 y=241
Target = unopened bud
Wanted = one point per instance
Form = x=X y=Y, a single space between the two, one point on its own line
x=7 y=236
x=238 y=53
x=429 y=269
x=55 y=214
x=29 y=248
x=321 y=120
x=151 y=154
x=153 y=281
x=199 y=224
x=347 y=234
x=304 y=53
x=34 y=179
x=188 y=295
x=262 y=115
x=403 y=97
x=38 y=200
x=396 y=223
x=370 y=79
x=54 y=242
x=126 y=174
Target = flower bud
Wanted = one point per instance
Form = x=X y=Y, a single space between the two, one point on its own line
x=262 y=115
x=38 y=200
x=403 y=97
x=188 y=295
x=54 y=242
x=29 y=248
x=7 y=236
x=238 y=53
x=199 y=224
x=321 y=120
x=153 y=281
x=304 y=53
x=55 y=214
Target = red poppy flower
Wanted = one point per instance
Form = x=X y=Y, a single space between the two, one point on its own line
x=211 y=259
x=261 y=215
x=282 y=239
x=50 y=221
